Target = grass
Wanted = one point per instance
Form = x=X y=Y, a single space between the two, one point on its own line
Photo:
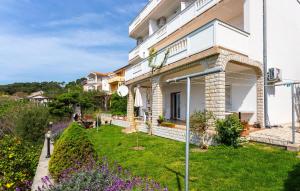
x=251 y=167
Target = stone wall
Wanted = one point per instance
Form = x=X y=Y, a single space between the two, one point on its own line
x=121 y=123
x=165 y=132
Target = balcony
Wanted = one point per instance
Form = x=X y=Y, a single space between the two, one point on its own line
x=188 y=14
x=214 y=33
x=92 y=81
x=116 y=79
x=143 y=14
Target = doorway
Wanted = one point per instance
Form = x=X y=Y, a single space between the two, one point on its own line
x=175 y=105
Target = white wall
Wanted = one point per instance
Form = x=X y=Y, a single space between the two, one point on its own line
x=253 y=23
x=283 y=27
x=197 y=98
x=105 y=84
x=243 y=97
x=152 y=26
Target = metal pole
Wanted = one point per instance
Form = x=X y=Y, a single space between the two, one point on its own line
x=293 y=114
x=187 y=141
x=48 y=147
x=265 y=60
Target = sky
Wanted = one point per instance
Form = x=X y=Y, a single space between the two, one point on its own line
x=63 y=40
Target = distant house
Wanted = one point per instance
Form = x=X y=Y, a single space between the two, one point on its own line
x=97 y=81
x=116 y=79
x=38 y=97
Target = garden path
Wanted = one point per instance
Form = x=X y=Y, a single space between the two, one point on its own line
x=42 y=169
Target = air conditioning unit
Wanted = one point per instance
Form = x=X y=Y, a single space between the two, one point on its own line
x=139 y=41
x=161 y=22
x=274 y=75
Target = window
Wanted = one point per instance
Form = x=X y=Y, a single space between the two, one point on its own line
x=175 y=105
x=228 y=104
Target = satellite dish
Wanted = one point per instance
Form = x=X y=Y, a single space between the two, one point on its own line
x=123 y=91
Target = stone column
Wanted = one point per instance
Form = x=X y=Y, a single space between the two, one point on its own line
x=157 y=100
x=215 y=94
x=130 y=108
x=260 y=100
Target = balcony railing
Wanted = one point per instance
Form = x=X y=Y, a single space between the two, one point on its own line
x=116 y=79
x=143 y=14
x=214 y=33
x=188 y=14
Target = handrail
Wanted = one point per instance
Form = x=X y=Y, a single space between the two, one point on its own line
x=140 y=12
x=215 y=23
x=170 y=21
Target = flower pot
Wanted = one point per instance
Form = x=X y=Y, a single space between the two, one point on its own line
x=246 y=129
x=159 y=121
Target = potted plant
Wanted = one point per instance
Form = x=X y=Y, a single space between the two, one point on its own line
x=246 y=129
x=168 y=124
x=160 y=119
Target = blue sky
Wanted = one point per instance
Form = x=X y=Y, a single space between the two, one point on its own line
x=62 y=40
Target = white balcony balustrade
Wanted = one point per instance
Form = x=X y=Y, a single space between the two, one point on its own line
x=214 y=33
x=188 y=14
x=143 y=14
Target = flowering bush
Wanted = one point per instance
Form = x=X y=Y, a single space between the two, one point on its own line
x=99 y=177
x=71 y=150
x=18 y=162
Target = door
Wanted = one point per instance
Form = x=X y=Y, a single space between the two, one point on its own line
x=175 y=105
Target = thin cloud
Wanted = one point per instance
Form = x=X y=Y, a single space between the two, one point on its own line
x=132 y=8
x=84 y=19
x=29 y=57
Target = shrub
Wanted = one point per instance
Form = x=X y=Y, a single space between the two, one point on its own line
x=229 y=130
x=72 y=149
x=199 y=123
x=102 y=177
x=168 y=124
x=9 y=113
x=18 y=162
x=118 y=105
x=32 y=123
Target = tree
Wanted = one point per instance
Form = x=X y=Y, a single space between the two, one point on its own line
x=118 y=105
x=32 y=123
x=199 y=122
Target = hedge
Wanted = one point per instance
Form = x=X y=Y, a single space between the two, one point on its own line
x=71 y=151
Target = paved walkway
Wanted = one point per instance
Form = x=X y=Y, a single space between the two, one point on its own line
x=281 y=136
x=42 y=169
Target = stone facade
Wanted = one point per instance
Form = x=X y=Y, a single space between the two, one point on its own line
x=130 y=108
x=215 y=94
x=157 y=100
x=260 y=100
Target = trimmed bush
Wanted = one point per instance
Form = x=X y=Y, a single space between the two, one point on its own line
x=229 y=130
x=72 y=150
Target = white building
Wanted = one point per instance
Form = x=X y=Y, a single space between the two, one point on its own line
x=191 y=36
x=38 y=97
x=97 y=81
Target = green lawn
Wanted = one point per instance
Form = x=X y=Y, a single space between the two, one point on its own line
x=251 y=167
